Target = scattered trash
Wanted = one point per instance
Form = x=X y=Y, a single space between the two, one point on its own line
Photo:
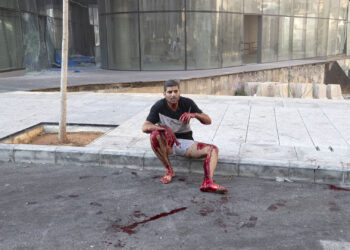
x=283 y=179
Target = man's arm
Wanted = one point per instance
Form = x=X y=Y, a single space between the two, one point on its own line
x=203 y=118
x=148 y=127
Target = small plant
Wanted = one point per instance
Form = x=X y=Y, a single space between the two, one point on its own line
x=240 y=93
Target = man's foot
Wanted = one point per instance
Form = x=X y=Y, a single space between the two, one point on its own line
x=167 y=177
x=212 y=187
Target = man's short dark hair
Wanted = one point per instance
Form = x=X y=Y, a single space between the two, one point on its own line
x=171 y=83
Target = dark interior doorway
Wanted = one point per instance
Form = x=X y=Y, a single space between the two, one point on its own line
x=251 y=41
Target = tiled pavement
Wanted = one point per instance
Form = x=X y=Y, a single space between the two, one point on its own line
x=294 y=139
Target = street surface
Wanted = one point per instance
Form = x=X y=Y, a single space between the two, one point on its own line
x=75 y=207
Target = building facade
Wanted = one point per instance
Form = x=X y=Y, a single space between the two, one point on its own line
x=31 y=33
x=173 y=34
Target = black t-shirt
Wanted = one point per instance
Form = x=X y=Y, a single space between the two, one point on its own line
x=162 y=114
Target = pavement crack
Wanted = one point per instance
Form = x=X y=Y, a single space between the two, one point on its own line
x=335 y=127
x=246 y=134
x=307 y=130
x=278 y=136
x=220 y=123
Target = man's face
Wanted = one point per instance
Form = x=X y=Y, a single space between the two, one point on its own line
x=172 y=94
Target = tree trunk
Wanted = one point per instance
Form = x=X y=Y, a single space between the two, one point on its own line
x=62 y=134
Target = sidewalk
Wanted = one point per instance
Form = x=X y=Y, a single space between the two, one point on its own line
x=292 y=139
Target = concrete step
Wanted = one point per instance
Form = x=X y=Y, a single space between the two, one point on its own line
x=315 y=167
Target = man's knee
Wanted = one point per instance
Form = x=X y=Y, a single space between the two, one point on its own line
x=208 y=148
x=215 y=148
x=155 y=136
x=211 y=149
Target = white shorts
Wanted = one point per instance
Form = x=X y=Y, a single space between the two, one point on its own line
x=183 y=146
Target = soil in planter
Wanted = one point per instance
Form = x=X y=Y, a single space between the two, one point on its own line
x=74 y=139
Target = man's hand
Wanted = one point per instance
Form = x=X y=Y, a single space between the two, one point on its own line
x=186 y=117
x=170 y=137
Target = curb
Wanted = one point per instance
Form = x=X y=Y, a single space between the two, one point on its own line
x=284 y=170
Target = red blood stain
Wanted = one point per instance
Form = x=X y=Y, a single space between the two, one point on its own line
x=272 y=208
x=206 y=165
x=156 y=177
x=224 y=200
x=173 y=106
x=333 y=206
x=119 y=244
x=221 y=224
x=154 y=140
x=206 y=210
x=129 y=229
x=208 y=184
x=171 y=139
x=332 y=187
x=138 y=214
x=201 y=145
x=182 y=179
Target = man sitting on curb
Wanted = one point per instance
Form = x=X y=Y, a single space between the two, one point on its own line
x=170 y=115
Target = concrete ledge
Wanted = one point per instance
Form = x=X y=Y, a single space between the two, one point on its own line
x=78 y=156
x=113 y=158
x=26 y=153
x=320 y=172
x=269 y=167
x=6 y=152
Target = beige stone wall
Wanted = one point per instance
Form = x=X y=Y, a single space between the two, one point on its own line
x=230 y=84
x=218 y=85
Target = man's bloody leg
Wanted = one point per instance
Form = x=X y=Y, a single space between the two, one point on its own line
x=161 y=149
x=209 y=167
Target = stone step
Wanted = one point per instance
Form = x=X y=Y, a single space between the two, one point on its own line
x=295 y=90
